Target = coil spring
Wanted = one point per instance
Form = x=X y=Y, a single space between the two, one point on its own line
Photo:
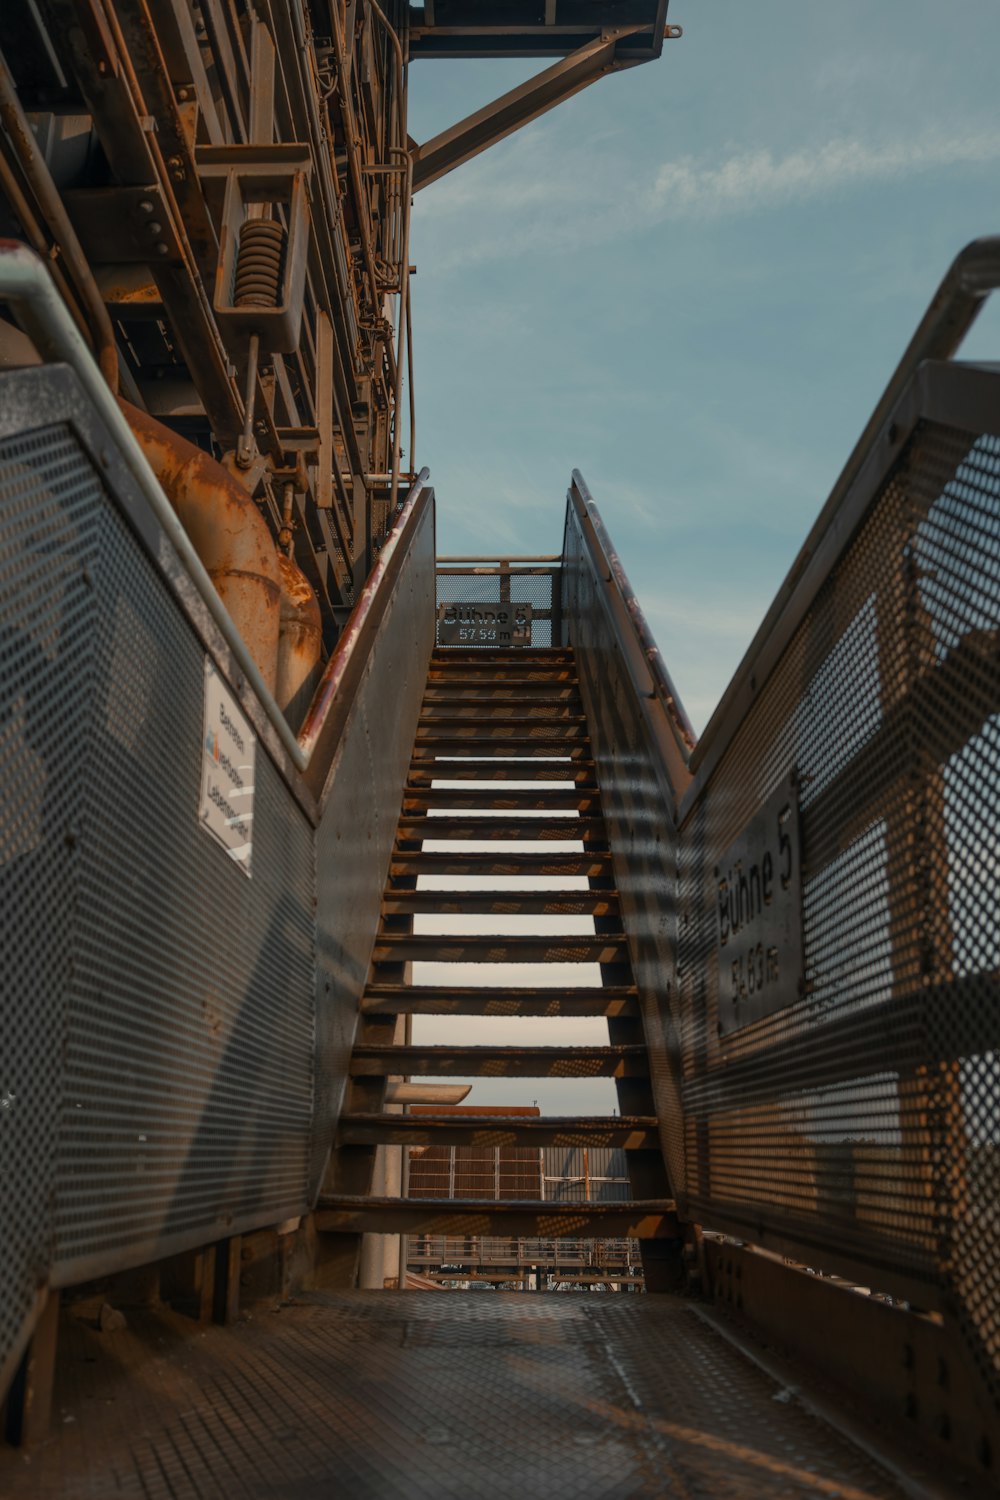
x=259 y=263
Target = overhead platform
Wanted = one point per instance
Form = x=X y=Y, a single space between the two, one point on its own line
x=532 y=28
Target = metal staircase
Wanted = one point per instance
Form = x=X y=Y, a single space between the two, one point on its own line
x=490 y=718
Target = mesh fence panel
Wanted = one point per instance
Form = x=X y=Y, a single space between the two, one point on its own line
x=539 y=588
x=157 y=1004
x=864 y=1116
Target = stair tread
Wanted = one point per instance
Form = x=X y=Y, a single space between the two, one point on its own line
x=580 y=772
x=542 y=829
x=469 y=1000
x=519 y=992
x=493 y=683
x=567 y=1206
x=559 y=723
x=501 y=903
x=581 y=947
x=382 y=1059
x=431 y=747
x=645 y=1218
x=636 y=1132
x=416 y=800
x=595 y=863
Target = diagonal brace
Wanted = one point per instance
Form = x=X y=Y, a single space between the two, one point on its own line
x=477 y=132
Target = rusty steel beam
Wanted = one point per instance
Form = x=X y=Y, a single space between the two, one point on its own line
x=519 y=106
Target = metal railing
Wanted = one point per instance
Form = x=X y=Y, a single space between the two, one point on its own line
x=500 y=1251
x=820 y=984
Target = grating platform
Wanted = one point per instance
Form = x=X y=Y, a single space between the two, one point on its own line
x=379 y=1394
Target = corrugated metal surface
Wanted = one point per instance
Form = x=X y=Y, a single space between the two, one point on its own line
x=637 y=801
x=360 y=814
x=598 y=1174
x=158 y=1005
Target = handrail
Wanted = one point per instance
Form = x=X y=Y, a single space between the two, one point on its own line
x=27 y=287
x=611 y=571
x=364 y=610
x=971 y=277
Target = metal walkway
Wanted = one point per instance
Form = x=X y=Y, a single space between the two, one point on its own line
x=492 y=1395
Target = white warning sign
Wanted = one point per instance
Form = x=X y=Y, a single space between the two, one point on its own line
x=229 y=748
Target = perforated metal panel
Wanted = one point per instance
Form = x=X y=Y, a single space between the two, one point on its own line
x=48 y=540
x=158 y=1005
x=864 y=1119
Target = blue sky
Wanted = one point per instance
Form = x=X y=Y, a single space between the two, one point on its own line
x=692 y=282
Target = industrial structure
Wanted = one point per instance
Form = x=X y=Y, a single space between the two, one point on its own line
x=258 y=740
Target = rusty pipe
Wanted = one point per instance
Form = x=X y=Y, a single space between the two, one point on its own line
x=226 y=530
x=39 y=179
x=300 y=642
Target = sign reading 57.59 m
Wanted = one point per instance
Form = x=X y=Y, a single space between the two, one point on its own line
x=758 y=900
x=503 y=624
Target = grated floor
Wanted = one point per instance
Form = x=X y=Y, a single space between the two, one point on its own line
x=465 y=1395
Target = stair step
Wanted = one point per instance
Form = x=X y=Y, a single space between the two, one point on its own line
x=618 y=1000
x=596 y=864
x=491 y=685
x=582 y=799
x=641 y=1220
x=512 y=655
x=432 y=747
x=378 y=1061
x=501 y=710
x=637 y=1133
x=501 y=903
x=423 y=772
x=483 y=677
x=498 y=948
x=484 y=727
x=484 y=829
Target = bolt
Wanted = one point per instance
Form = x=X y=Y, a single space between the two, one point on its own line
x=162 y=249
x=175 y=161
x=144 y=206
x=183 y=95
x=154 y=227
x=177 y=176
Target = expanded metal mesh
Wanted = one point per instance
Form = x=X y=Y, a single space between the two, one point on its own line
x=158 y=1005
x=484 y=585
x=864 y=1116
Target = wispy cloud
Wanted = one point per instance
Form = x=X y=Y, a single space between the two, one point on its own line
x=534 y=194
x=751 y=180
